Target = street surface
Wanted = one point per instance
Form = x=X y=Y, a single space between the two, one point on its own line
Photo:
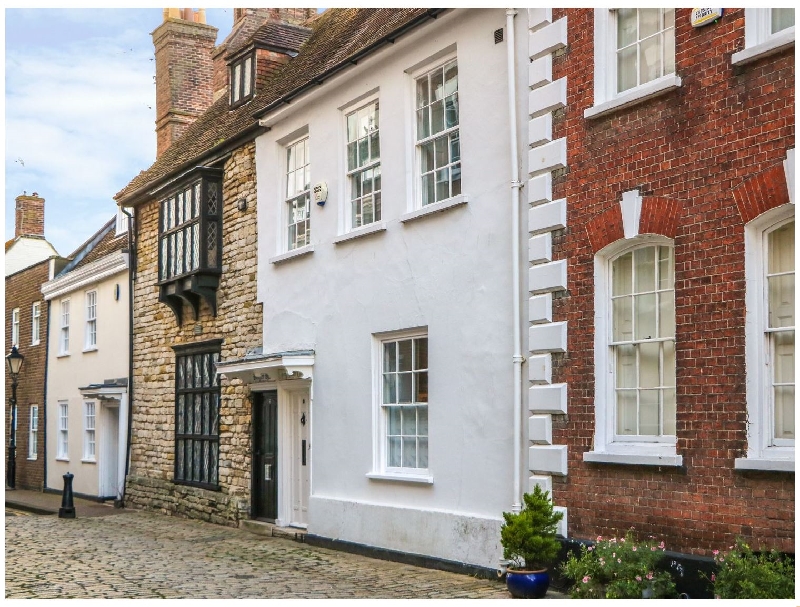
x=144 y=555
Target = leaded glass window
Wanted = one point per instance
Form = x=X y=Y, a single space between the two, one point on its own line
x=197 y=397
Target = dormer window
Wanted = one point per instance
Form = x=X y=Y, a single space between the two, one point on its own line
x=190 y=242
x=242 y=76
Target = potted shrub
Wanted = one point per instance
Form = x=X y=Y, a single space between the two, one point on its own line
x=619 y=568
x=744 y=574
x=529 y=542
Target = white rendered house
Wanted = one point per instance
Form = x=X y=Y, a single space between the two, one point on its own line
x=387 y=394
x=88 y=366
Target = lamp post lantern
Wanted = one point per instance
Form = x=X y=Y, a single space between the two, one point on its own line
x=14 y=360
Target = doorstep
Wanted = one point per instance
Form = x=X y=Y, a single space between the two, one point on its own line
x=271 y=530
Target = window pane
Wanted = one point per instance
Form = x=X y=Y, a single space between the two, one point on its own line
x=441 y=152
x=455 y=175
x=404 y=387
x=421 y=387
x=409 y=421
x=437 y=84
x=784 y=357
x=422 y=92
x=422 y=421
x=352 y=156
x=455 y=147
x=648 y=413
x=442 y=184
x=427 y=157
x=409 y=452
x=437 y=117
x=781 y=300
x=451 y=111
x=668 y=377
x=668 y=405
x=393 y=455
x=669 y=51
x=394 y=420
x=648 y=21
x=645 y=316
x=622 y=275
x=421 y=353
x=780 y=243
x=374 y=147
x=666 y=311
x=623 y=317
x=237 y=74
x=423 y=125
x=784 y=412
x=626 y=27
x=649 y=365
x=626 y=69
x=644 y=269
x=422 y=452
x=782 y=18
x=377 y=202
x=665 y=280
x=363 y=151
x=247 y=75
x=626 y=366
x=404 y=355
x=428 y=189
x=626 y=412
x=450 y=78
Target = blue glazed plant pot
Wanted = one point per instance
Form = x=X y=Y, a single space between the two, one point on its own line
x=527 y=584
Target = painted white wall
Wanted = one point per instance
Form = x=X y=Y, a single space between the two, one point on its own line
x=65 y=374
x=449 y=272
x=25 y=252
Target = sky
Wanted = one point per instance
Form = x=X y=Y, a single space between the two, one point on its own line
x=80 y=111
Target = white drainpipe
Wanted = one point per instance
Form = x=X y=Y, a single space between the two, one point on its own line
x=515 y=219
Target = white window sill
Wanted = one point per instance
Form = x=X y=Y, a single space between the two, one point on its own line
x=372 y=228
x=775 y=44
x=765 y=464
x=662 y=85
x=62 y=459
x=62 y=354
x=35 y=343
x=309 y=248
x=33 y=459
x=422 y=479
x=436 y=207
x=88 y=461
x=633 y=458
x=90 y=349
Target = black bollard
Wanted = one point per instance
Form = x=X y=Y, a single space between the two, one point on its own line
x=67 y=509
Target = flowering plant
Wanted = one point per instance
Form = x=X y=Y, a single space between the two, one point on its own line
x=744 y=574
x=618 y=568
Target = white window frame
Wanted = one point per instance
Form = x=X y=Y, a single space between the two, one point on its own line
x=287 y=200
x=36 y=316
x=606 y=99
x=33 y=432
x=63 y=337
x=15 y=327
x=759 y=41
x=657 y=451
x=91 y=321
x=350 y=174
x=62 y=448
x=380 y=469
x=417 y=207
x=763 y=453
x=89 y=431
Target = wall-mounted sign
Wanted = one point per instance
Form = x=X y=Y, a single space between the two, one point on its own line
x=320 y=193
x=704 y=16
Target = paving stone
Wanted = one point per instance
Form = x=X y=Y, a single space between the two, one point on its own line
x=147 y=555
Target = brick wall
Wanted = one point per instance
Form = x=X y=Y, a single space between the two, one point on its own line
x=22 y=290
x=29 y=216
x=694 y=146
x=238 y=323
x=184 y=76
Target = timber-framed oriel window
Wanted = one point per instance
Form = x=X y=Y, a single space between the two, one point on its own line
x=190 y=242
x=197 y=398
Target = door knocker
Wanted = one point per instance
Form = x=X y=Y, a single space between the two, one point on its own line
x=303 y=419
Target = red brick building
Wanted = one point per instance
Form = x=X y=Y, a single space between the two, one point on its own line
x=33 y=262
x=678 y=184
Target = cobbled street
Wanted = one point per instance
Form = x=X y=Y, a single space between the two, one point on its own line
x=144 y=555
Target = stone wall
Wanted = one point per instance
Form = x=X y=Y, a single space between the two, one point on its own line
x=238 y=323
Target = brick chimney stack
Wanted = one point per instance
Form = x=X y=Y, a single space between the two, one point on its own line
x=184 y=72
x=29 y=216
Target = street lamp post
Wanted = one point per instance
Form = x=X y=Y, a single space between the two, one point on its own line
x=14 y=360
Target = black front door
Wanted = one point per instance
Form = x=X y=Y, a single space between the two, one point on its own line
x=265 y=455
